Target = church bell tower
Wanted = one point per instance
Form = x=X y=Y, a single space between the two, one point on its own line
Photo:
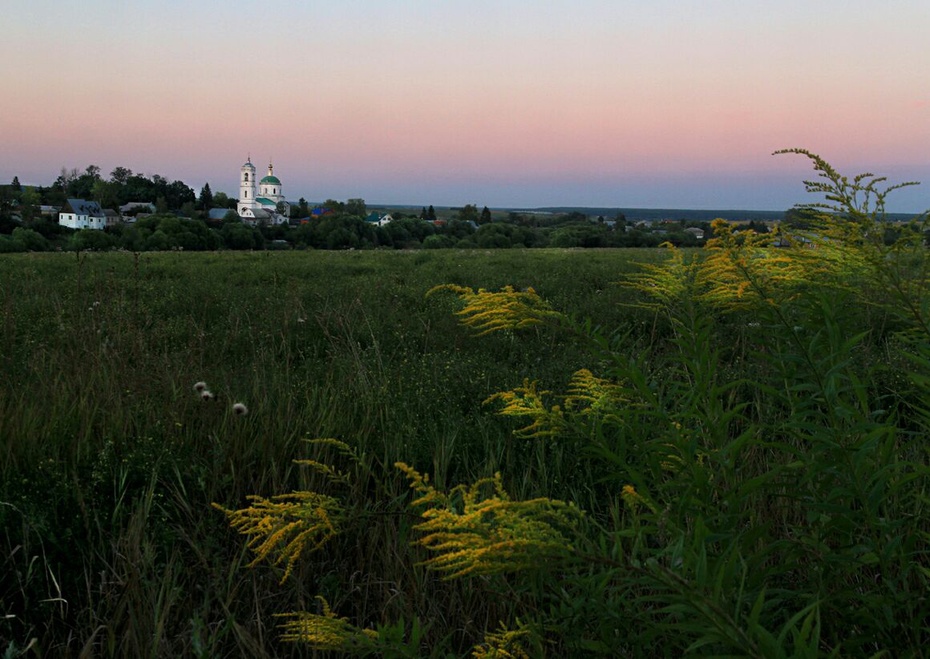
x=247 y=186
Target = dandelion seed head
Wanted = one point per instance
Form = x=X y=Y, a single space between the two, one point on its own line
x=200 y=386
x=240 y=409
x=206 y=395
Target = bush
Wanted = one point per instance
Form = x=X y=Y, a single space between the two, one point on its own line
x=33 y=241
x=10 y=245
x=91 y=239
x=438 y=242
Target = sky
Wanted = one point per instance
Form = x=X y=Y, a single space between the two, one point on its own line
x=504 y=103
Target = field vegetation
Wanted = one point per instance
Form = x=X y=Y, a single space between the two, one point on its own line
x=485 y=453
x=110 y=460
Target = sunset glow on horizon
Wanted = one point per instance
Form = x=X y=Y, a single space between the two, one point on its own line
x=507 y=104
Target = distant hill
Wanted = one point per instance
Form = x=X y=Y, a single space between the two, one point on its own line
x=687 y=214
x=649 y=214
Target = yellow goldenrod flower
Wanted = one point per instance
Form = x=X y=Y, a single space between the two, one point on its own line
x=287 y=525
x=665 y=282
x=634 y=499
x=527 y=401
x=478 y=529
x=593 y=395
x=503 y=644
x=326 y=631
x=507 y=309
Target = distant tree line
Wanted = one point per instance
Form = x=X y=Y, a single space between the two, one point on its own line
x=181 y=221
x=169 y=231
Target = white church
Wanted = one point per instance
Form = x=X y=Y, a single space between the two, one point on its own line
x=261 y=201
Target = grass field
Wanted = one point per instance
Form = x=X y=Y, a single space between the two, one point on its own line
x=110 y=460
x=736 y=464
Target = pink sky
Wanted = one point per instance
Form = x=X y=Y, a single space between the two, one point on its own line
x=506 y=103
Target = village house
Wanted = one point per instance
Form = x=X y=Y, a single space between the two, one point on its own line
x=379 y=219
x=112 y=218
x=80 y=214
x=697 y=232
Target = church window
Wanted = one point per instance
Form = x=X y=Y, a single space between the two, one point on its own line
x=246 y=176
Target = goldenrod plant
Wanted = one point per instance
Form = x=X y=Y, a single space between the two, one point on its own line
x=287 y=526
x=327 y=631
x=504 y=644
x=494 y=311
x=528 y=401
x=479 y=530
x=860 y=200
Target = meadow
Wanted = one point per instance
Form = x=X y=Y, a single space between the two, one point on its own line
x=110 y=460
x=511 y=453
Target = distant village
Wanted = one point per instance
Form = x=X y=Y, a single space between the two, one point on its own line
x=84 y=210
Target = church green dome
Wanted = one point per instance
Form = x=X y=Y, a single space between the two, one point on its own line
x=270 y=180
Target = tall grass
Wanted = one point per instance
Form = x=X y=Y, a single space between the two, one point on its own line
x=109 y=460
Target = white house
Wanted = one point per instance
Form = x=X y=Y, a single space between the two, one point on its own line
x=379 y=219
x=261 y=201
x=80 y=214
x=698 y=233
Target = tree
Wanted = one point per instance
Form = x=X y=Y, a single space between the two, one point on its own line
x=139 y=188
x=222 y=200
x=7 y=223
x=337 y=207
x=178 y=193
x=15 y=186
x=75 y=184
x=431 y=214
x=206 y=197
x=485 y=216
x=341 y=238
x=29 y=205
x=356 y=207
x=105 y=193
x=237 y=235
x=494 y=236
x=120 y=175
x=66 y=178
x=469 y=213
